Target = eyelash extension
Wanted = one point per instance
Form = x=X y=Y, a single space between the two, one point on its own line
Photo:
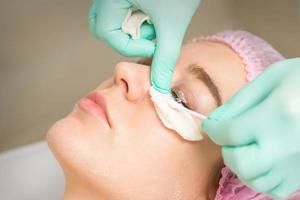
x=178 y=98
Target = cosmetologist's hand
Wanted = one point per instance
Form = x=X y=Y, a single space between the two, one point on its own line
x=170 y=20
x=259 y=130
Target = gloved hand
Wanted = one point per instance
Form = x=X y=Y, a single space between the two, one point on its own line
x=170 y=20
x=259 y=130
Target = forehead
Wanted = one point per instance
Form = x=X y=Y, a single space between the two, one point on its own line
x=223 y=65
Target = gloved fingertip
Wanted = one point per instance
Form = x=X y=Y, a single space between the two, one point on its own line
x=147 y=31
x=219 y=113
x=159 y=83
x=160 y=89
x=211 y=128
x=208 y=124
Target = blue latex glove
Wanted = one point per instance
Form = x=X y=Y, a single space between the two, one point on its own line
x=259 y=130
x=170 y=20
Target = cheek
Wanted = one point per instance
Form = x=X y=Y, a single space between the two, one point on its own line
x=147 y=155
x=146 y=149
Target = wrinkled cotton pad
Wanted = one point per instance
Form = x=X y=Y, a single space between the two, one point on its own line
x=175 y=116
x=133 y=22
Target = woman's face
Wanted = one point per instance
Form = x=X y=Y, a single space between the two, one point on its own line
x=131 y=155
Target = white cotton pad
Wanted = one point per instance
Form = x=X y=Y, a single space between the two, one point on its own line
x=175 y=116
x=133 y=22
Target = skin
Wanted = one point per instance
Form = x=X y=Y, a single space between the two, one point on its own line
x=136 y=157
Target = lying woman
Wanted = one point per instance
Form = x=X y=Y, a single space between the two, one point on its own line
x=113 y=146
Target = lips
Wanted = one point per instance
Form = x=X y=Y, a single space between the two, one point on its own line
x=94 y=103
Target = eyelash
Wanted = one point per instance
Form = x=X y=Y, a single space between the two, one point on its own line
x=179 y=99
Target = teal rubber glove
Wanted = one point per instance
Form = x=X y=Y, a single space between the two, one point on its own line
x=259 y=130
x=170 y=20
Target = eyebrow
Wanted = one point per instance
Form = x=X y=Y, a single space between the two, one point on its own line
x=200 y=74
x=203 y=76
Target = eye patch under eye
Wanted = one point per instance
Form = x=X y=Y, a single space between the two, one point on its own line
x=175 y=116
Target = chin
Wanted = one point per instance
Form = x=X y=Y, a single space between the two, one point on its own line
x=60 y=136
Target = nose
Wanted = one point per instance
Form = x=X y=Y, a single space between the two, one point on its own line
x=133 y=79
